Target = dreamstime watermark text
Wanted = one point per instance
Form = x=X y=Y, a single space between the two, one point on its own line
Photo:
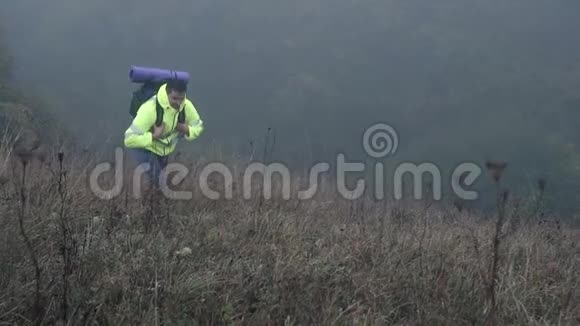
x=379 y=142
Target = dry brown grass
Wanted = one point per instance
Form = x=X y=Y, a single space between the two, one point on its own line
x=326 y=261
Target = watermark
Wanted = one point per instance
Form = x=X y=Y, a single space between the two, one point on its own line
x=378 y=140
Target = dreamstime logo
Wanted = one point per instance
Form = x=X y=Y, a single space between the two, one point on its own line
x=379 y=141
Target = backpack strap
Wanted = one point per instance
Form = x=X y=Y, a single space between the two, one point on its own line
x=181 y=117
x=159 y=109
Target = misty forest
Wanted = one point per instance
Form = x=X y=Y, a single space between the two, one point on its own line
x=495 y=83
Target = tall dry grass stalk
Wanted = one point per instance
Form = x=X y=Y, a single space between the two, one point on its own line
x=24 y=155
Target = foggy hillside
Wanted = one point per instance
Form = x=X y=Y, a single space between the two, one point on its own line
x=459 y=80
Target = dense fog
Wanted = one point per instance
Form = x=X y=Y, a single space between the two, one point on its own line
x=459 y=80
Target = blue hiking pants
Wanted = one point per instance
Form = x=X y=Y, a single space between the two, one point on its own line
x=157 y=163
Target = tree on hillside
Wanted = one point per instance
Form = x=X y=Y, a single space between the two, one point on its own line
x=22 y=112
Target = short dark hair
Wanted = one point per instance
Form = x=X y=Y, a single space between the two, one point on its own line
x=177 y=85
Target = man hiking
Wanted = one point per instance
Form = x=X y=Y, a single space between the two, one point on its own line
x=152 y=143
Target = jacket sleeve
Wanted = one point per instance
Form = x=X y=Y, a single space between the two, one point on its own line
x=138 y=135
x=194 y=123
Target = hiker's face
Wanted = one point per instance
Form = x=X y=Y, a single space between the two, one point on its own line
x=176 y=98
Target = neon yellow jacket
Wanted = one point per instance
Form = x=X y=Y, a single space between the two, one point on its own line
x=139 y=134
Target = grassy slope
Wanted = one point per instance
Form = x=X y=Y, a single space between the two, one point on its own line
x=324 y=261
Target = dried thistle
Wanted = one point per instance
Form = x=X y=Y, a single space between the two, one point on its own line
x=505 y=196
x=458 y=204
x=496 y=168
x=542 y=184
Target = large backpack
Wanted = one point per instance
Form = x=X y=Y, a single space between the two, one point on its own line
x=146 y=92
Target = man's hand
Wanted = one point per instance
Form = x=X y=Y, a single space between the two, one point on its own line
x=157 y=131
x=183 y=129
